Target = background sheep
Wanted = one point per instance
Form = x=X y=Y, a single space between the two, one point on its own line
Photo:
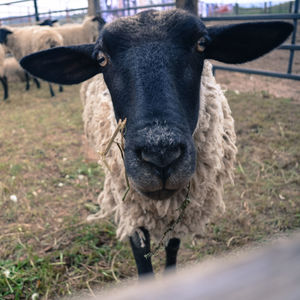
x=13 y=71
x=75 y=34
x=25 y=40
x=215 y=130
x=3 y=79
x=152 y=65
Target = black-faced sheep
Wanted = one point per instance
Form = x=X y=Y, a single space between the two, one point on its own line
x=13 y=71
x=26 y=40
x=48 y=22
x=76 y=34
x=151 y=71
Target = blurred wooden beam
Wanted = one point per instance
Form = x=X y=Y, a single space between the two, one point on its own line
x=272 y=273
x=36 y=12
x=93 y=8
x=189 y=5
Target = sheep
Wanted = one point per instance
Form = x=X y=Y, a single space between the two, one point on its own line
x=75 y=34
x=13 y=71
x=25 y=40
x=3 y=79
x=179 y=142
x=47 y=22
x=4 y=32
x=214 y=130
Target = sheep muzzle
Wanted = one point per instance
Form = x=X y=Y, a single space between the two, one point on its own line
x=159 y=161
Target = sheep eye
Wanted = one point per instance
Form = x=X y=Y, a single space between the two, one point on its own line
x=102 y=59
x=201 y=44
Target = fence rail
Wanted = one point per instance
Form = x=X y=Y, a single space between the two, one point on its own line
x=257 y=72
x=287 y=47
x=45 y=13
x=137 y=8
x=254 y=17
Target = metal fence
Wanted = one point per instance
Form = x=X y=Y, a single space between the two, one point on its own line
x=64 y=15
x=295 y=16
x=127 y=10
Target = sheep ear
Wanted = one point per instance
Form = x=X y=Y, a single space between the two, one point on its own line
x=99 y=20
x=3 y=35
x=240 y=43
x=63 y=65
x=47 y=22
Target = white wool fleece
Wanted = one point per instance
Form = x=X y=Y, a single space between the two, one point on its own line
x=76 y=34
x=26 y=40
x=214 y=139
x=2 y=57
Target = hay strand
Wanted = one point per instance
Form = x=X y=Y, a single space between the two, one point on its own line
x=121 y=126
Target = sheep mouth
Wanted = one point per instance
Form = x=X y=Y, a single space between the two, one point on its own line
x=160 y=194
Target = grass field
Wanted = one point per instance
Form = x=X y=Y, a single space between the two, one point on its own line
x=47 y=188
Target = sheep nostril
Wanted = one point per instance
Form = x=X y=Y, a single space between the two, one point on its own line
x=138 y=153
x=162 y=157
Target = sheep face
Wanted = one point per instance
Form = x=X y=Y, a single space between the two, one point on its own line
x=152 y=65
x=153 y=69
x=3 y=35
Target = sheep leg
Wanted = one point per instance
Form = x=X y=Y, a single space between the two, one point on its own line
x=38 y=85
x=27 y=81
x=51 y=90
x=140 y=248
x=61 y=89
x=5 y=86
x=171 y=252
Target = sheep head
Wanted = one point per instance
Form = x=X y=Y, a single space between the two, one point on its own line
x=152 y=65
x=3 y=35
x=47 y=22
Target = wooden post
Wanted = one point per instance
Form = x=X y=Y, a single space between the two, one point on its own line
x=37 y=18
x=189 y=5
x=236 y=8
x=93 y=8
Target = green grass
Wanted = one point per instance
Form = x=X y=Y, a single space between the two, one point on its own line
x=46 y=247
x=84 y=254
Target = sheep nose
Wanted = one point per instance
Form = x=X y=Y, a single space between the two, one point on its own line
x=162 y=158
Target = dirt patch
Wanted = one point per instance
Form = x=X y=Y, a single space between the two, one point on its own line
x=48 y=187
x=253 y=83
